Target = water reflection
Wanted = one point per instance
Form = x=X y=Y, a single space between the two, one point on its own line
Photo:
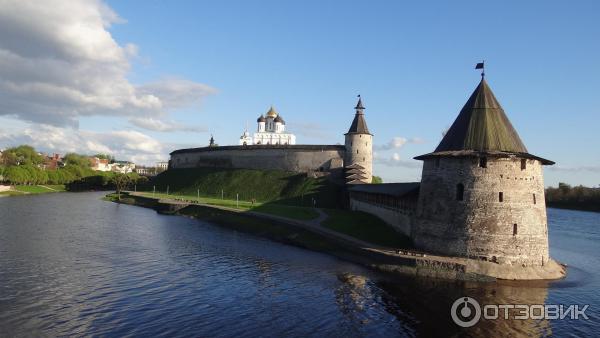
x=71 y=264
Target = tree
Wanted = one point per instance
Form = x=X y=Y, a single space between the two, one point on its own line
x=377 y=180
x=121 y=182
x=15 y=175
x=22 y=154
x=9 y=158
x=77 y=160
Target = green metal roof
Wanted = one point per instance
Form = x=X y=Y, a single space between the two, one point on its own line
x=482 y=125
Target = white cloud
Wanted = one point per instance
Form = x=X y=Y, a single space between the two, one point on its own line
x=175 y=92
x=397 y=143
x=123 y=144
x=395 y=161
x=58 y=62
x=165 y=125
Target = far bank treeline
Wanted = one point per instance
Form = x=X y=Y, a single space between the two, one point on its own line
x=23 y=165
x=578 y=197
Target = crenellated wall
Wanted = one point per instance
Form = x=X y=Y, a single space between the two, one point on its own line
x=501 y=215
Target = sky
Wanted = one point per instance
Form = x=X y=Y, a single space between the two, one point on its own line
x=139 y=79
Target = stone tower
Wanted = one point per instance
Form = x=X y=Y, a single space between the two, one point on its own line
x=358 y=159
x=482 y=192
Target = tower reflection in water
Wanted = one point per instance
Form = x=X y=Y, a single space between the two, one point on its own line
x=423 y=306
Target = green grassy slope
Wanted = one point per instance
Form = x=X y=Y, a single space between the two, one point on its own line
x=262 y=185
x=39 y=189
x=365 y=226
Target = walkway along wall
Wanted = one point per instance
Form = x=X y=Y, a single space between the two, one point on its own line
x=394 y=203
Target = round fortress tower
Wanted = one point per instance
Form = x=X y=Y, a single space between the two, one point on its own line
x=482 y=193
x=358 y=159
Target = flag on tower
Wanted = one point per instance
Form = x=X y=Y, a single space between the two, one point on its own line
x=479 y=65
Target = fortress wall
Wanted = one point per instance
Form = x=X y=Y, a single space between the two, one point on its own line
x=400 y=221
x=480 y=225
x=288 y=158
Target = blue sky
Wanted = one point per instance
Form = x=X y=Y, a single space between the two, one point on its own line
x=412 y=62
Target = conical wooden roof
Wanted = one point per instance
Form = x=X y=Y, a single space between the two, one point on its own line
x=482 y=125
x=359 y=125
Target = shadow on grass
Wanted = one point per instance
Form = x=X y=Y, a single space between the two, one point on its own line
x=366 y=227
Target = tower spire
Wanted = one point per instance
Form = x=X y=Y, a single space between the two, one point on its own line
x=359 y=125
x=359 y=106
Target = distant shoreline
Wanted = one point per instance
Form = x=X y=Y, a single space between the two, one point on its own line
x=573 y=206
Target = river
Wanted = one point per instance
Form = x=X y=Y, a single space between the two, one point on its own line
x=72 y=264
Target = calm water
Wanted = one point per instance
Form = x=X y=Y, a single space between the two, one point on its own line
x=71 y=264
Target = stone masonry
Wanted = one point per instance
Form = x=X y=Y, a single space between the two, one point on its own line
x=500 y=216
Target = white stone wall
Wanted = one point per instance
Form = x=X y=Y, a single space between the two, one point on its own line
x=360 y=150
x=480 y=225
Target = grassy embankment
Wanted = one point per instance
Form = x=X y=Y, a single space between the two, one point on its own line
x=240 y=221
x=264 y=186
x=366 y=227
x=33 y=189
x=274 y=192
x=294 y=212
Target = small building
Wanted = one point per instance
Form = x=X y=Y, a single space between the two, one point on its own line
x=123 y=167
x=162 y=165
x=145 y=171
x=99 y=164
x=52 y=162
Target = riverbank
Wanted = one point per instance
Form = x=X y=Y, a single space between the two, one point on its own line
x=574 y=205
x=313 y=235
x=18 y=190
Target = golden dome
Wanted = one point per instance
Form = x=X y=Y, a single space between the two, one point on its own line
x=272 y=113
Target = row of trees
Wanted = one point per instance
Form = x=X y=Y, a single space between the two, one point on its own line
x=578 y=197
x=29 y=174
x=24 y=165
x=21 y=155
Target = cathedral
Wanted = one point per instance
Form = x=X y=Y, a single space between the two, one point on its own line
x=270 y=130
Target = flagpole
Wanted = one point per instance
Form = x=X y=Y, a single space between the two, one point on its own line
x=483 y=69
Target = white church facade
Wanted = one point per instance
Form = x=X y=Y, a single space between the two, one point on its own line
x=270 y=130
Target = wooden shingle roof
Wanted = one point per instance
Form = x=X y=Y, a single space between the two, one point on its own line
x=482 y=127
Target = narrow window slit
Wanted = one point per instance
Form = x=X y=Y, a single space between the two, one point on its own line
x=460 y=191
x=483 y=162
